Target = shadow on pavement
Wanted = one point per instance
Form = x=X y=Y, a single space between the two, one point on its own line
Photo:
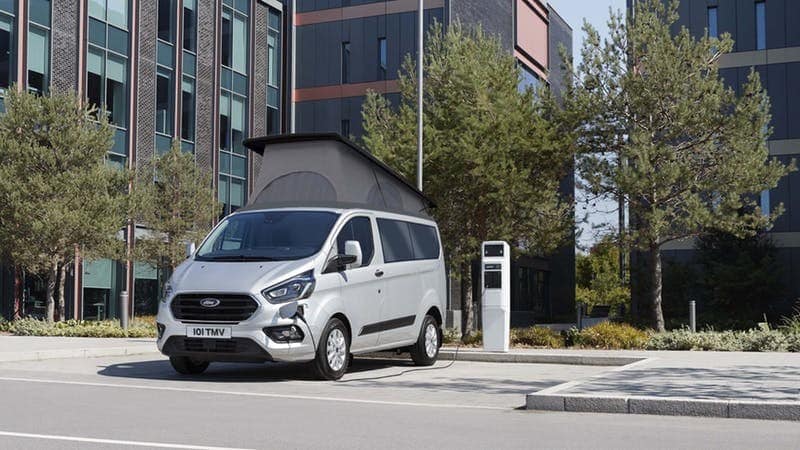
x=240 y=372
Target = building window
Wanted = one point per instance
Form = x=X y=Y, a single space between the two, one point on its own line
x=165 y=76
x=346 y=128
x=39 y=46
x=713 y=31
x=7 y=47
x=273 y=72
x=345 y=62
x=761 y=26
x=189 y=81
x=382 y=58
x=190 y=25
x=765 y=202
x=164 y=101
x=107 y=68
x=233 y=105
x=166 y=10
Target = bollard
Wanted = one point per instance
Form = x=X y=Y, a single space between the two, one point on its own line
x=123 y=310
x=693 y=316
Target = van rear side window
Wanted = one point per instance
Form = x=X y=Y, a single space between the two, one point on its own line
x=405 y=241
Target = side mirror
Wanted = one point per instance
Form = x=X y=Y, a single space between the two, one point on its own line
x=353 y=248
x=190 y=249
x=338 y=263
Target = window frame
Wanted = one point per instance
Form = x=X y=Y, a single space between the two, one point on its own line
x=365 y=262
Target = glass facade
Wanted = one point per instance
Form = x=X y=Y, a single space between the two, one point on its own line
x=233 y=104
x=274 y=73
x=761 y=25
x=345 y=62
x=189 y=82
x=165 y=76
x=107 y=68
x=713 y=30
x=7 y=47
x=39 y=46
x=382 y=58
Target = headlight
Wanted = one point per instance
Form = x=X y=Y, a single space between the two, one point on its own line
x=295 y=288
x=167 y=292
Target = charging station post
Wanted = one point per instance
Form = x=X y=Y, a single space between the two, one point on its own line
x=496 y=295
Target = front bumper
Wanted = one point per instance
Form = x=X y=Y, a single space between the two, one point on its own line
x=248 y=341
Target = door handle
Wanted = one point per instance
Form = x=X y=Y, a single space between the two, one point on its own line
x=379 y=273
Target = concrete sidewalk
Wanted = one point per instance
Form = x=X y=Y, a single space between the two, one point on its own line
x=34 y=348
x=713 y=384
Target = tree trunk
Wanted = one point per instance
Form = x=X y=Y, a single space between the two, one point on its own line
x=52 y=276
x=467 y=312
x=655 y=287
x=17 y=313
x=62 y=275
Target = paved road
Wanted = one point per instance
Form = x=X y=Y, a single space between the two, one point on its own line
x=138 y=402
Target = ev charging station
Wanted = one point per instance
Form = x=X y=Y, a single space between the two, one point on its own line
x=496 y=295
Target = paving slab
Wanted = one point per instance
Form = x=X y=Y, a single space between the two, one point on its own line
x=712 y=384
x=35 y=348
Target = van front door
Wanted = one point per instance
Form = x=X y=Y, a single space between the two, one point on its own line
x=361 y=289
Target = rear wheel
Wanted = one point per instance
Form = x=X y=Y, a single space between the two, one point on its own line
x=188 y=366
x=426 y=350
x=333 y=351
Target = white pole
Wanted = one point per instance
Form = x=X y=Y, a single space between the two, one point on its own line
x=420 y=49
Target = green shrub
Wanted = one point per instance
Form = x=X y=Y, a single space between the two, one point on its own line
x=608 y=335
x=754 y=340
x=82 y=328
x=451 y=336
x=474 y=339
x=536 y=337
x=791 y=324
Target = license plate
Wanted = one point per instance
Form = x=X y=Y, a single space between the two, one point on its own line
x=208 y=332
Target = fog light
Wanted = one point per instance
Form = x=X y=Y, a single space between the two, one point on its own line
x=161 y=328
x=289 y=333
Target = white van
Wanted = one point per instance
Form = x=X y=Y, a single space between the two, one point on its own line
x=307 y=283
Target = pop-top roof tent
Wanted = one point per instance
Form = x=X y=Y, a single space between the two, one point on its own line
x=327 y=170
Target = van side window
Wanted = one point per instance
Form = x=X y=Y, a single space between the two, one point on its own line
x=358 y=229
x=426 y=242
x=395 y=240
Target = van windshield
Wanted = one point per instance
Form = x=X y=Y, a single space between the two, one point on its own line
x=268 y=236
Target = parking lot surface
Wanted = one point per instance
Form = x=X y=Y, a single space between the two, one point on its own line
x=138 y=401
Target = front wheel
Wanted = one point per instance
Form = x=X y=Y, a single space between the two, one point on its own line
x=333 y=351
x=188 y=366
x=426 y=350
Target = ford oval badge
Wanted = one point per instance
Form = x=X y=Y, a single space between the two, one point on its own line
x=209 y=302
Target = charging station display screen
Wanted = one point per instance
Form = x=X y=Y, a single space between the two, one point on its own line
x=492 y=280
x=493 y=250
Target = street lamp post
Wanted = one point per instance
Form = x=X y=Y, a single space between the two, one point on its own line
x=420 y=49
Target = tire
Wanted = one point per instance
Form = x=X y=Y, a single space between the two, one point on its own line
x=426 y=350
x=335 y=338
x=188 y=366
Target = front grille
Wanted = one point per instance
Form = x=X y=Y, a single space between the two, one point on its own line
x=210 y=345
x=231 y=308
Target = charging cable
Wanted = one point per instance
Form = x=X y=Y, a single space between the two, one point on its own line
x=300 y=316
x=419 y=369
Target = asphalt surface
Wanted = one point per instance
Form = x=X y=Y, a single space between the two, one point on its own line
x=138 y=402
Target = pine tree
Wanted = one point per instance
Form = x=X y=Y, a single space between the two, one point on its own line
x=492 y=159
x=174 y=199
x=56 y=190
x=659 y=128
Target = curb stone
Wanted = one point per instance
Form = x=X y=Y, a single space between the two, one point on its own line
x=76 y=353
x=734 y=409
